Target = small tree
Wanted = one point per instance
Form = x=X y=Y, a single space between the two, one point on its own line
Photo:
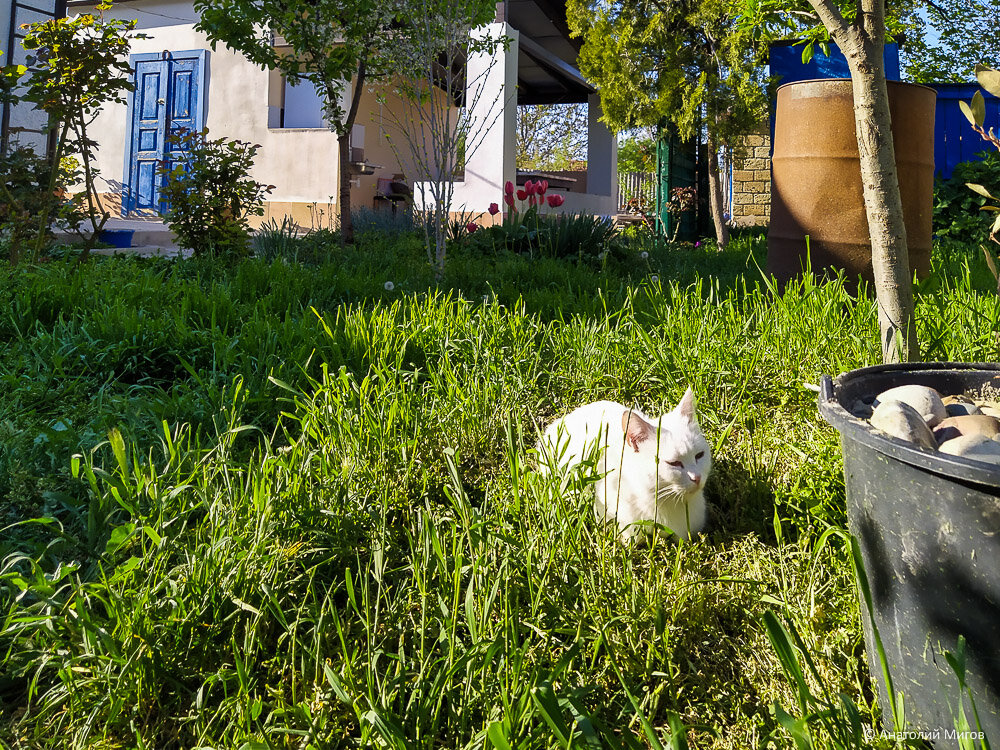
x=684 y=61
x=859 y=29
x=210 y=193
x=333 y=43
x=440 y=124
x=77 y=67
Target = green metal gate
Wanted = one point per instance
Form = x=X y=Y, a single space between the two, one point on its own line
x=675 y=167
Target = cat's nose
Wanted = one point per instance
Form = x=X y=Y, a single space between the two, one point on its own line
x=695 y=478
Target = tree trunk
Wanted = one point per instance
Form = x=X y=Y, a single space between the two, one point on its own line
x=884 y=208
x=344 y=148
x=862 y=43
x=715 y=192
x=346 y=226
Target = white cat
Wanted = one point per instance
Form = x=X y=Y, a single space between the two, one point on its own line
x=651 y=469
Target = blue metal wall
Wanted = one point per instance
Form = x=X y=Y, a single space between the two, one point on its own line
x=954 y=139
x=785 y=61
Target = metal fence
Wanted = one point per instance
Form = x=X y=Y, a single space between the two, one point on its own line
x=637 y=192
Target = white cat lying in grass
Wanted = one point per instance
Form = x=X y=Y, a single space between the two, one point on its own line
x=651 y=469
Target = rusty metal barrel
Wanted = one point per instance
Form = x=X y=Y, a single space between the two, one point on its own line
x=816 y=178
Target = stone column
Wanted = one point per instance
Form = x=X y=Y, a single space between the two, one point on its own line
x=492 y=92
x=602 y=152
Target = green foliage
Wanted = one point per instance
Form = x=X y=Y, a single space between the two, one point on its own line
x=76 y=67
x=274 y=240
x=697 y=55
x=637 y=153
x=587 y=238
x=959 y=223
x=328 y=39
x=209 y=193
x=551 y=136
x=944 y=40
x=25 y=178
x=526 y=231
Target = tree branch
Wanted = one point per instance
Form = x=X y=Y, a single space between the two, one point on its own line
x=831 y=17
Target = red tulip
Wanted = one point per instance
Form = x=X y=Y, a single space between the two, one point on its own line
x=494 y=209
x=472 y=227
x=541 y=186
x=508 y=189
x=509 y=200
x=555 y=200
x=529 y=187
x=521 y=195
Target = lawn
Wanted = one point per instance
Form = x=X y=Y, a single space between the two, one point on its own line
x=287 y=504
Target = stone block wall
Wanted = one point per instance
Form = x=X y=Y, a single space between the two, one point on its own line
x=752 y=180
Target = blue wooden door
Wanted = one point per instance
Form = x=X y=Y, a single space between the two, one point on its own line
x=169 y=96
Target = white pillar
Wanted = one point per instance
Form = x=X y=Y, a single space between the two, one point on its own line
x=492 y=92
x=602 y=153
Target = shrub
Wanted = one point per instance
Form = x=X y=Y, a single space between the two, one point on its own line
x=210 y=194
x=25 y=180
x=959 y=222
x=387 y=223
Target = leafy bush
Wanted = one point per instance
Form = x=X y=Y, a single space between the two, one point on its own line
x=959 y=222
x=25 y=180
x=210 y=194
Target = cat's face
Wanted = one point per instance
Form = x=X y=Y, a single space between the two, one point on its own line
x=682 y=455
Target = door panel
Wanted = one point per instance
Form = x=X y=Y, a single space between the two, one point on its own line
x=168 y=98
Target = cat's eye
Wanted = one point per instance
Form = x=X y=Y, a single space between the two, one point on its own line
x=676 y=464
x=699 y=456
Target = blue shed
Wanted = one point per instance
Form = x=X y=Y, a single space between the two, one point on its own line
x=954 y=139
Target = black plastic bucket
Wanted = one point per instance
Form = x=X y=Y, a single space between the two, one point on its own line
x=928 y=525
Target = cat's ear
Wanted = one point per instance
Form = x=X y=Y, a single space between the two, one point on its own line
x=636 y=429
x=686 y=407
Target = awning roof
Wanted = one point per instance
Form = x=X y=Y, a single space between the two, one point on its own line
x=547 y=72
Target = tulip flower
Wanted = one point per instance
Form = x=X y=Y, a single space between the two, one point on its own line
x=555 y=200
x=472 y=227
x=521 y=195
x=509 y=200
x=541 y=186
x=494 y=209
x=508 y=189
x=529 y=187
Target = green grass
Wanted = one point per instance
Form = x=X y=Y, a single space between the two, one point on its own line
x=278 y=505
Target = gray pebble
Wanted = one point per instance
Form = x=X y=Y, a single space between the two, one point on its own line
x=976 y=447
x=926 y=401
x=901 y=420
x=969 y=424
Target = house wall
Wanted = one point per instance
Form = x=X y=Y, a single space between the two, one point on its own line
x=244 y=102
